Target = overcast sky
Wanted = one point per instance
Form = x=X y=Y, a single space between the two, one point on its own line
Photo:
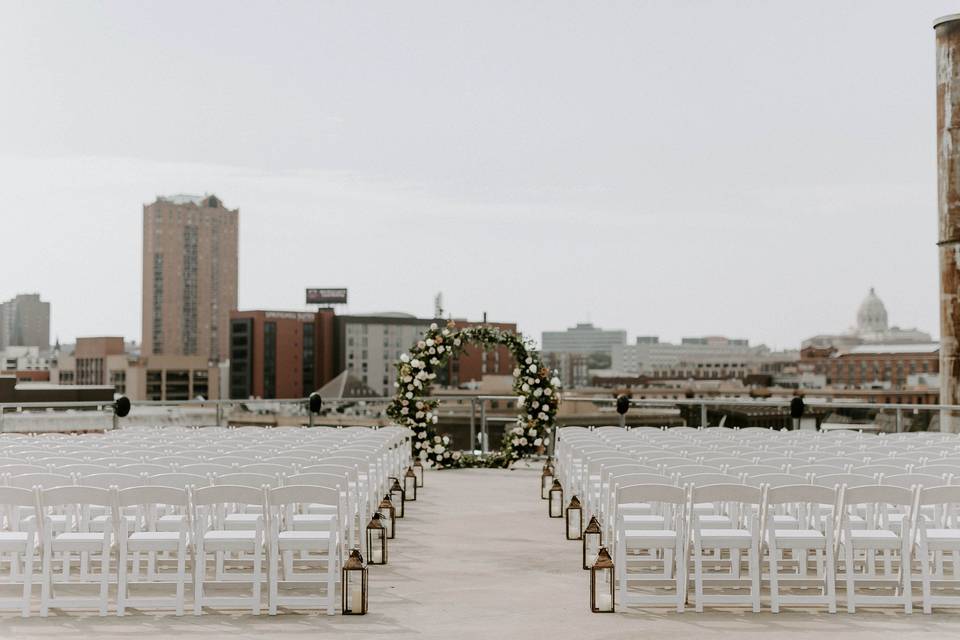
x=669 y=168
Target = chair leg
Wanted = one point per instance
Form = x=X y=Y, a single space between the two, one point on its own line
x=755 y=571
x=906 y=571
x=925 y=577
x=257 y=580
x=104 y=578
x=774 y=576
x=851 y=588
x=27 y=582
x=830 y=575
x=45 y=579
x=181 y=577
x=199 y=575
x=122 y=581
x=273 y=589
x=697 y=578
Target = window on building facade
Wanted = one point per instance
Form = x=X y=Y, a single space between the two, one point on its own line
x=269 y=359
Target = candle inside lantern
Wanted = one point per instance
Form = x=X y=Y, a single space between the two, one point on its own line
x=355 y=598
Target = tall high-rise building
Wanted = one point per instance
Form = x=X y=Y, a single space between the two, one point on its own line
x=189 y=276
x=25 y=322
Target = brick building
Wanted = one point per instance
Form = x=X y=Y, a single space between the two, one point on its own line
x=873 y=364
x=289 y=354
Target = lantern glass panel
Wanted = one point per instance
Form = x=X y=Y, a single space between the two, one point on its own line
x=602 y=581
x=546 y=481
x=354 y=585
x=418 y=472
x=410 y=487
x=574 y=523
x=386 y=519
x=556 y=502
x=396 y=497
x=591 y=547
x=376 y=546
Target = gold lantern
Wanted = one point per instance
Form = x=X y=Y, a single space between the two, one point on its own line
x=546 y=480
x=376 y=541
x=555 y=504
x=354 y=584
x=397 y=498
x=574 y=519
x=418 y=471
x=592 y=541
x=602 y=583
x=410 y=485
x=387 y=516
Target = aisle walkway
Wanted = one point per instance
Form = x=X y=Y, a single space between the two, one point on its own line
x=477 y=558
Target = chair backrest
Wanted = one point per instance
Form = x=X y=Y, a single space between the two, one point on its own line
x=913 y=479
x=205 y=468
x=152 y=495
x=247 y=479
x=727 y=493
x=937 y=468
x=178 y=480
x=45 y=480
x=878 y=494
x=17 y=497
x=650 y=492
x=806 y=493
x=268 y=468
x=775 y=480
x=144 y=467
x=107 y=480
x=22 y=468
x=221 y=494
x=303 y=494
x=848 y=479
x=60 y=496
x=318 y=479
x=704 y=479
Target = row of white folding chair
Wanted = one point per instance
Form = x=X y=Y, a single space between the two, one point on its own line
x=140 y=534
x=861 y=546
x=353 y=516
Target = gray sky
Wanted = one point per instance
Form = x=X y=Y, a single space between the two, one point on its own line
x=671 y=168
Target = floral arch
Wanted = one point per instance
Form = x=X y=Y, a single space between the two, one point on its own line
x=536 y=387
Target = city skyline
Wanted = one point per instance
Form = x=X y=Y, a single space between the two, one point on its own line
x=775 y=241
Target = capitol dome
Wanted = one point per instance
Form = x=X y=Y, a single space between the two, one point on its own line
x=872 y=315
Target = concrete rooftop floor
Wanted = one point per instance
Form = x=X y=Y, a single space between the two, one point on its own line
x=477 y=557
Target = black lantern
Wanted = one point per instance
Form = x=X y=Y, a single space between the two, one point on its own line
x=354 y=584
x=387 y=516
x=574 y=519
x=376 y=541
x=410 y=485
x=602 y=583
x=418 y=471
x=546 y=480
x=555 y=504
x=592 y=540
x=396 y=497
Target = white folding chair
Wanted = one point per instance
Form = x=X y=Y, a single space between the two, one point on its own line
x=19 y=539
x=935 y=538
x=147 y=538
x=811 y=504
x=862 y=546
x=741 y=505
x=76 y=537
x=665 y=547
x=313 y=545
x=211 y=535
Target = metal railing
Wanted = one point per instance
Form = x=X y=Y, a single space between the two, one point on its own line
x=474 y=421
